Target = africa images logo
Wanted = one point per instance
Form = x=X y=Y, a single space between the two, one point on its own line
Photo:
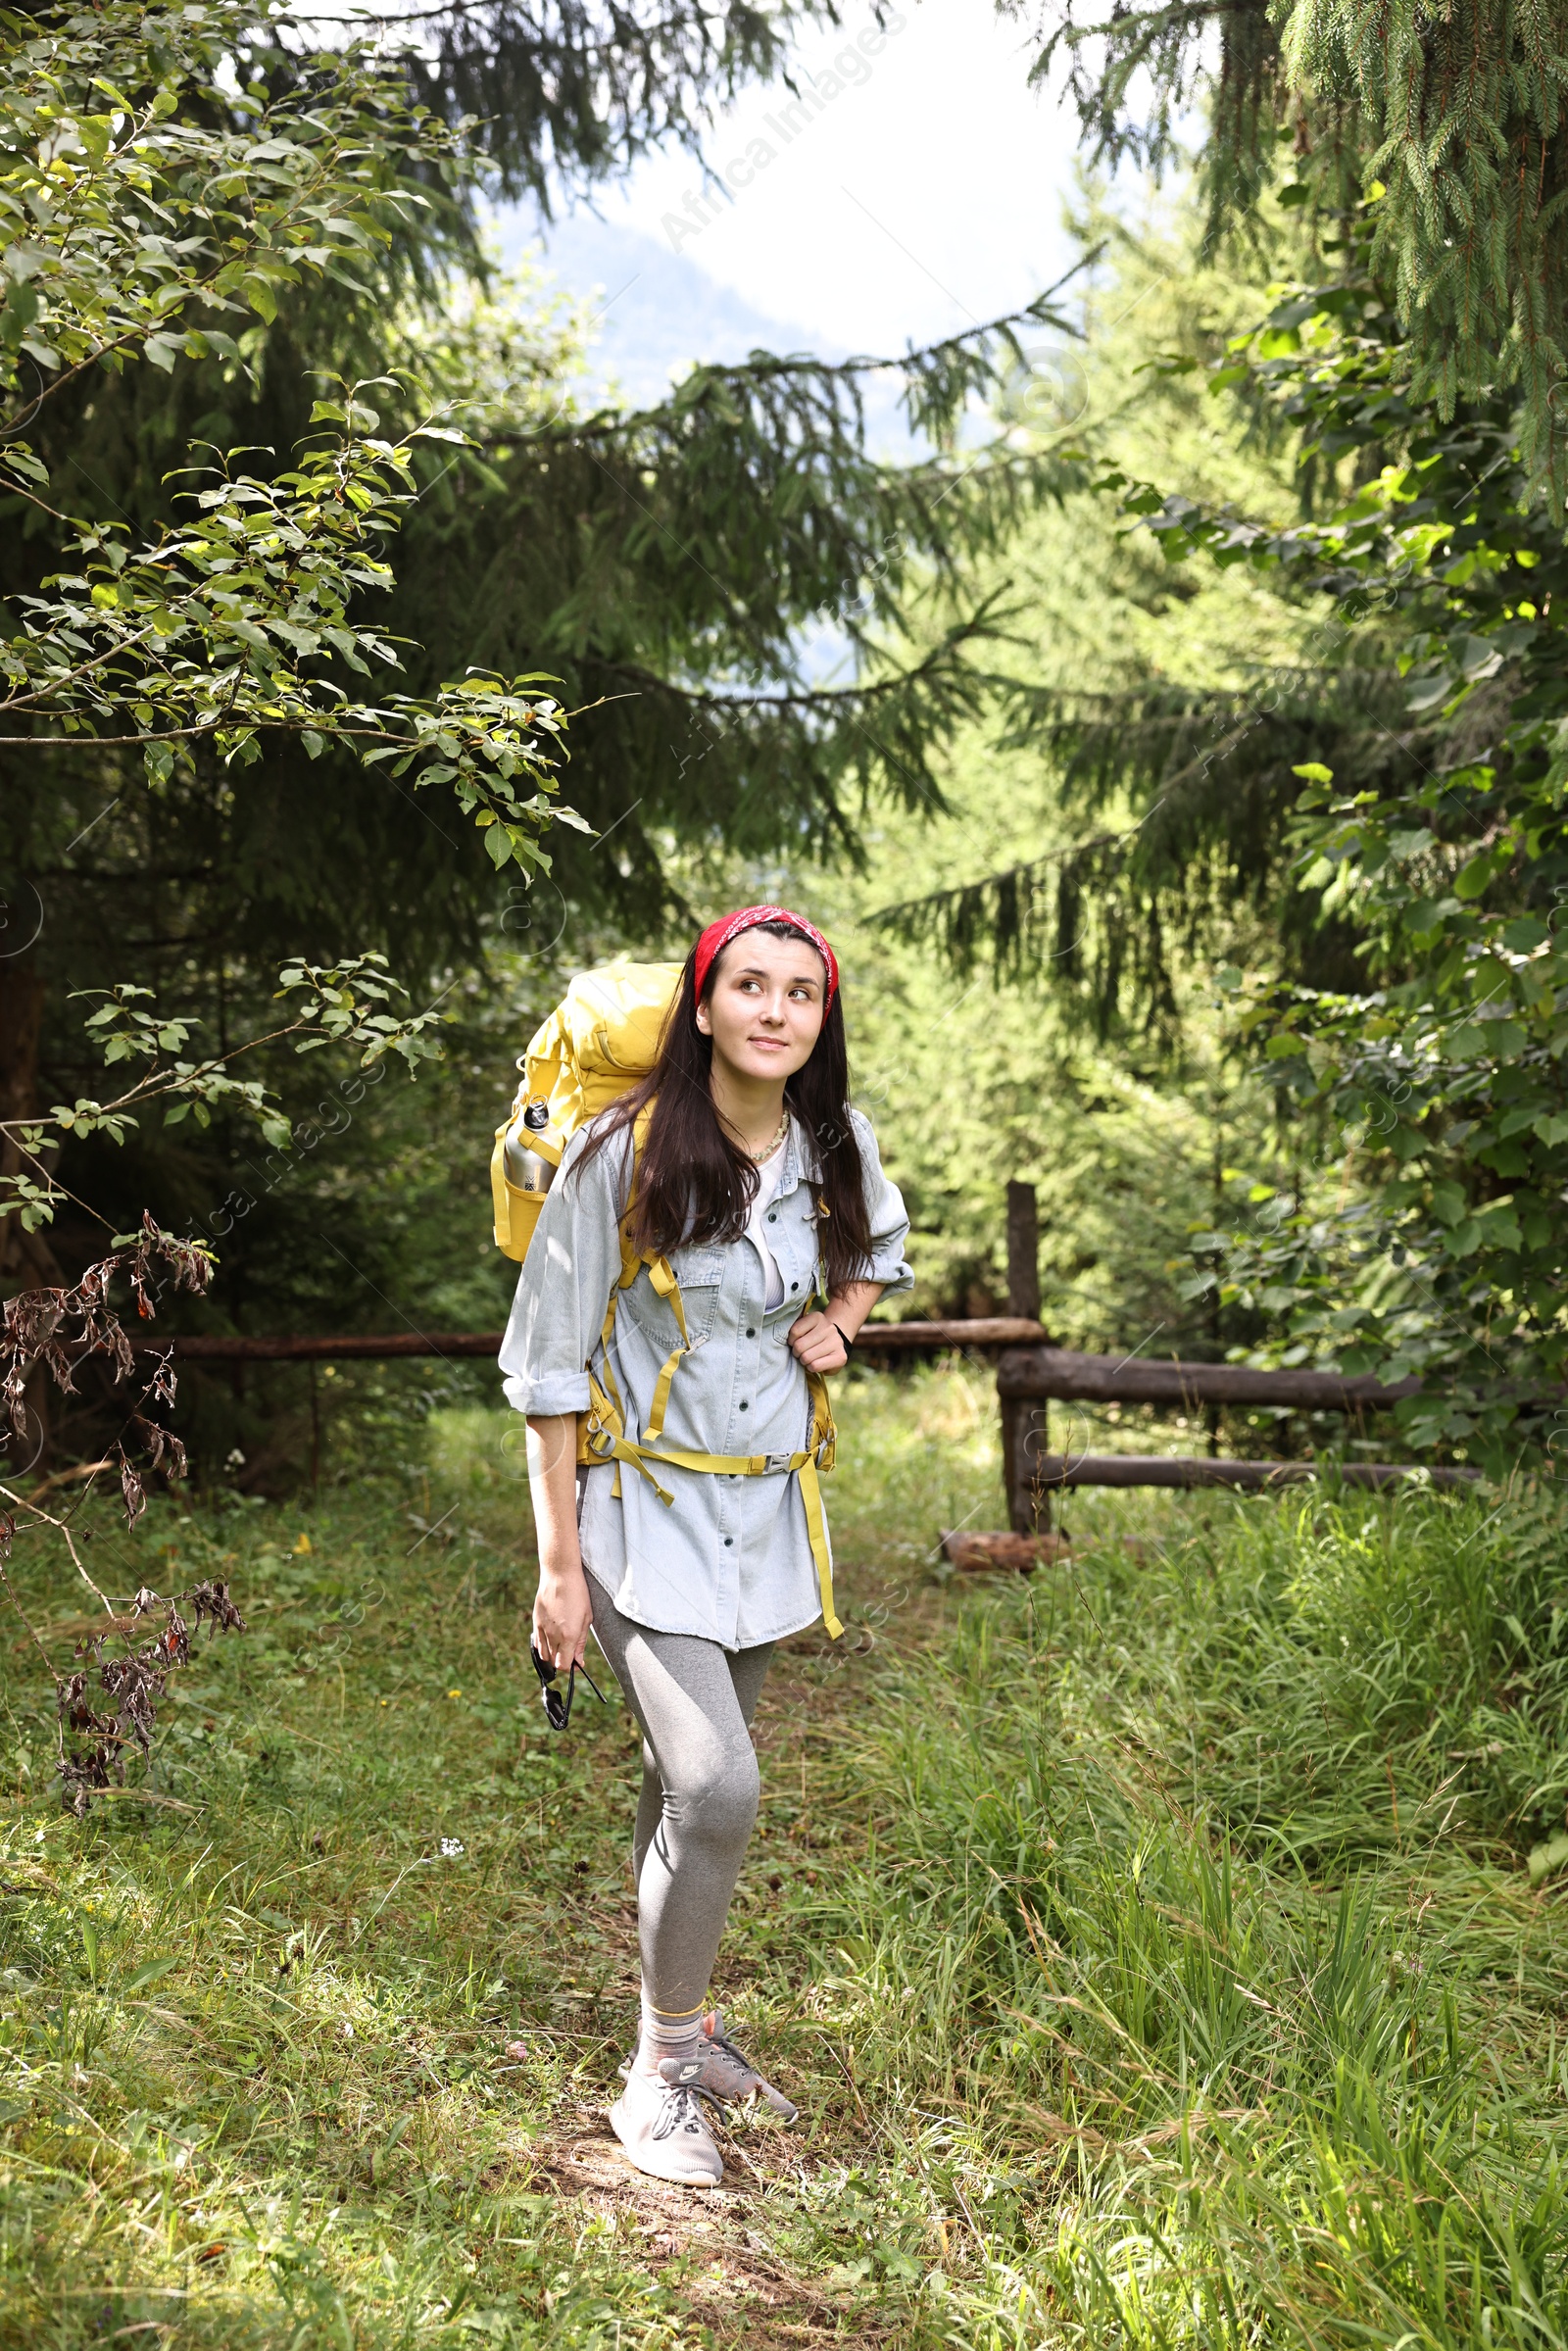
x=851 y=70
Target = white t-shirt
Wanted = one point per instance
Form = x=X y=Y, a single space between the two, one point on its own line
x=771 y=1173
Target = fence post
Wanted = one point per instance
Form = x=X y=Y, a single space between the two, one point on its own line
x=1023 y=1424
x=1023 y=1251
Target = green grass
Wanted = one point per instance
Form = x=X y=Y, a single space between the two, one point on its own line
x=1152 y=1945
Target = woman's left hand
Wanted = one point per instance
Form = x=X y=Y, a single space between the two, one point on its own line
x=816 y=1341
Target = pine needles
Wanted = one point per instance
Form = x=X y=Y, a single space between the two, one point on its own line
x=1208 y=782
x=1447 y=120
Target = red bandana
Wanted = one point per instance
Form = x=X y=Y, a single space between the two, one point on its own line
x=718 y=935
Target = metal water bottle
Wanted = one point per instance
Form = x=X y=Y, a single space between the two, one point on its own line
x=525 y=1168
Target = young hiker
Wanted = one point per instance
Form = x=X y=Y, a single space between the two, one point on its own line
x=692 y=1547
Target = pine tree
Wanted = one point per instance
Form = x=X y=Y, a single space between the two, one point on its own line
x=1172 y=781
x=1445 y=119
x=1199 y=786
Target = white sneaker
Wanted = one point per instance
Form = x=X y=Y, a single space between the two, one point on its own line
x=728 y=2074
x=725 y=2073
x=661 y=2125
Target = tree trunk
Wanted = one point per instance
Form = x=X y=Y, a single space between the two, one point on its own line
x=26 y=1260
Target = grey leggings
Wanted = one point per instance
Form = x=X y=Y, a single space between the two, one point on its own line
x=698 y=1806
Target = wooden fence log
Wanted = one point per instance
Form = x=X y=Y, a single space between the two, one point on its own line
x=1020 y=1554
x=1040 y=1372
x=975 y=1330
x=875 y=1337
x=1057 y=1471
x=344 y=1349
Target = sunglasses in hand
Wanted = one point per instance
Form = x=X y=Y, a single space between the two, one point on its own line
x=558 y=1709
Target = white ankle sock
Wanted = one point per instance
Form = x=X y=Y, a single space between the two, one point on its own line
x=663 y=2036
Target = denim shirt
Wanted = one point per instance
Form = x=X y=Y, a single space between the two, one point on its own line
x=728 y=1559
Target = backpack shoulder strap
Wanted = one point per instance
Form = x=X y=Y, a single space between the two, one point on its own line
x=661 y=1274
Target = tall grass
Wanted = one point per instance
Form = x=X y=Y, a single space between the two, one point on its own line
x=1153 y=1946
x=1199 y=1907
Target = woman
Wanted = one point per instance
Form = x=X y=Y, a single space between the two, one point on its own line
x=740 y=1159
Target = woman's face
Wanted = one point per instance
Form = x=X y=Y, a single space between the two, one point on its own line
x=766 y=1008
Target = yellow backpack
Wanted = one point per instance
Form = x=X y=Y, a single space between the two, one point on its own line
x=598 y=1042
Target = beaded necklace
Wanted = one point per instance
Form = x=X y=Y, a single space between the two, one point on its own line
x=759 y=1159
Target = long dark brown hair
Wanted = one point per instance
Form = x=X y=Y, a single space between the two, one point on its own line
x=693 y=1182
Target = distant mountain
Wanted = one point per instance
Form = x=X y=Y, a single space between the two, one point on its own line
x=660 y=311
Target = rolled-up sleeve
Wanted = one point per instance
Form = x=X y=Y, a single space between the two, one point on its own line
x=563 y=1291
x=886 y=1215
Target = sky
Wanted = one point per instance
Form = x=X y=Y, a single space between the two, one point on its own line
x=917 y=188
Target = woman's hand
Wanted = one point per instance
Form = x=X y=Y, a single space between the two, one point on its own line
x=819 y=1339
x=562 y=1613
x=817 y=1342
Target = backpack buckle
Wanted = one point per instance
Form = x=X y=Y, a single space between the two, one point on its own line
x=776 y=1461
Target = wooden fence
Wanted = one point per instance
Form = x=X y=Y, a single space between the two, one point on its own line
x=1029 y=1379
x=1031 y=1374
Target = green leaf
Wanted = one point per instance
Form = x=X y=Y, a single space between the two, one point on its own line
x=1546 y=1859
x=1429 y=693
x=1424 y=915
x=152 y=1970
x=1448 y=1203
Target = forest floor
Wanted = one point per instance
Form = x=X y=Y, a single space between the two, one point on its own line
x=1151 y=1946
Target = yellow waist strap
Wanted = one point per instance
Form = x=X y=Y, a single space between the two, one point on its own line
x=601 y=1437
